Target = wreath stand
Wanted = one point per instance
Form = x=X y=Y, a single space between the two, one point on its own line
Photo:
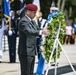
x=55 y=46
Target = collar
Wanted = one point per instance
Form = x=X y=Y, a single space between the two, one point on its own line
x=28 y=18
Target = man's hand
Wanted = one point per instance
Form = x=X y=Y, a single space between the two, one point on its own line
x=45 y=31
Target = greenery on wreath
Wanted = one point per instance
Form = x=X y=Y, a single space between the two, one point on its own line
x=50 y=39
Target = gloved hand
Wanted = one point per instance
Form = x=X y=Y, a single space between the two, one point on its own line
x=10 y=32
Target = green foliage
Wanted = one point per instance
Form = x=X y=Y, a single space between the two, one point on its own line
x=28 y=1
x=45 y=7
x=46 y=4
x=50 y=39
x=72 y=4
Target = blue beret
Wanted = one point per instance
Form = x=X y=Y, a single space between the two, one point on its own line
x=31 y=7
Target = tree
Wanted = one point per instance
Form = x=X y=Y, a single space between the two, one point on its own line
x=66 y=6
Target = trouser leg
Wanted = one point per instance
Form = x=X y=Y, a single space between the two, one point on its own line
x=27 y=64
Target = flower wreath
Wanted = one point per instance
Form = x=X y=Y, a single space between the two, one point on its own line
x=48 y=42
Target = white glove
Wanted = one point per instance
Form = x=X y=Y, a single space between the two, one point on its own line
x=10 y=32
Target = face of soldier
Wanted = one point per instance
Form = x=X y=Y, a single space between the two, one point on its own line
x=39 y=14
x=31 y=14
x=12 y=13
x=52 y=11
